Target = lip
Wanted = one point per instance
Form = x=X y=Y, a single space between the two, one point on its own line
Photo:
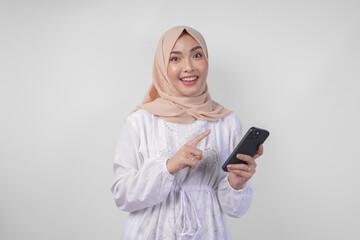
x=189 y=83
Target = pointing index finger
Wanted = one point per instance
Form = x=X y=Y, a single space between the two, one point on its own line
x=197 y=139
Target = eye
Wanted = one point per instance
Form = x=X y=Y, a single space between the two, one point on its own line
x=197 y=55
x=174 y=59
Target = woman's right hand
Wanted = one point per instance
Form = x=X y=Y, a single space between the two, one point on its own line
x=187 y=156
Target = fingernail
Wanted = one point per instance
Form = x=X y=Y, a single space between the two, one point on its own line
x=239 y=156
x=229 y=166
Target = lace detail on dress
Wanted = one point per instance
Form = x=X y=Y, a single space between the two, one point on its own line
x=211 y=159
x=171 y=137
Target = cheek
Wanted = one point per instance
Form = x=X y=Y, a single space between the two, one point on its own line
x=203 y=68
x=172 y=72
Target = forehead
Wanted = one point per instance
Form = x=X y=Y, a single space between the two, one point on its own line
x=185 y=42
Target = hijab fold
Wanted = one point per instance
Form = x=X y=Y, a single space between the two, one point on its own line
x=164 y=100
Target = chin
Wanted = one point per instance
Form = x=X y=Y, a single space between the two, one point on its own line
x=189 y=93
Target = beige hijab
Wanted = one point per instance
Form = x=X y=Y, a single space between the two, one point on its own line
x=163 y=100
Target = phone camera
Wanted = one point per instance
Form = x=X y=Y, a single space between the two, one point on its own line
x=254 y=134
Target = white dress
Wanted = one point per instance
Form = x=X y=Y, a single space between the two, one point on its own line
x=188 y=204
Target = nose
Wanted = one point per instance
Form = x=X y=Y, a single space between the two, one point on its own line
x=188 y=66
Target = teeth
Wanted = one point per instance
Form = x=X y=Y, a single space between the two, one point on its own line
x=189 y=79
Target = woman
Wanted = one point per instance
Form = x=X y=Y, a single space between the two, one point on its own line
x=168 y=162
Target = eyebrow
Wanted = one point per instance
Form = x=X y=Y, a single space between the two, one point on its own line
x=195 y=48
x=191 y=50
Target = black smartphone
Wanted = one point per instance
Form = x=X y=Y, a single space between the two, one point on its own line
x=248 y=145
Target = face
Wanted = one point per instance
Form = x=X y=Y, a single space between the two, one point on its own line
x=188 y=67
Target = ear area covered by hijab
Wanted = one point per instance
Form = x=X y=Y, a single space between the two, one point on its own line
x=163 y=100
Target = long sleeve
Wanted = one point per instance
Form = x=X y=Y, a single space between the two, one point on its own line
x=139 y=182
x=234 y=203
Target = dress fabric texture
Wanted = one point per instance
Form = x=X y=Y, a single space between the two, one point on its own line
x=188 y=204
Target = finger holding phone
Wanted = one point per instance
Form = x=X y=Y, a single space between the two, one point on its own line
x=187 y=155
x=241 y=163
x=239 y=174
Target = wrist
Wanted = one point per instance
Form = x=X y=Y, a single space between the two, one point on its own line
x=170 y=167
x=237 y=186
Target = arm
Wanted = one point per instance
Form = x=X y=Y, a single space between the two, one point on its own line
x=234 y=203
x=139 y=183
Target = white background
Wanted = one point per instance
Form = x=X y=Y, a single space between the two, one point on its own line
x=71 y=71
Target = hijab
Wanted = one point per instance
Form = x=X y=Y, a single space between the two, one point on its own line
x=162 y=98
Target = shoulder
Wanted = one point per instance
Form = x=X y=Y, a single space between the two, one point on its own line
x=228 y=125
x=140 y=114
x=140 y=118
x=230 y=121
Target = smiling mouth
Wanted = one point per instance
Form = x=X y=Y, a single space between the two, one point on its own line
x=189 y=80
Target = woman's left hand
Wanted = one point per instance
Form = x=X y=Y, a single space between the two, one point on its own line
x=239 y=174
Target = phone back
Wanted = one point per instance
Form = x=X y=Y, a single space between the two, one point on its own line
x=248 y=145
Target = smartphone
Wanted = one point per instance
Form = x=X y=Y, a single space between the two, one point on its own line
x=248 y=145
